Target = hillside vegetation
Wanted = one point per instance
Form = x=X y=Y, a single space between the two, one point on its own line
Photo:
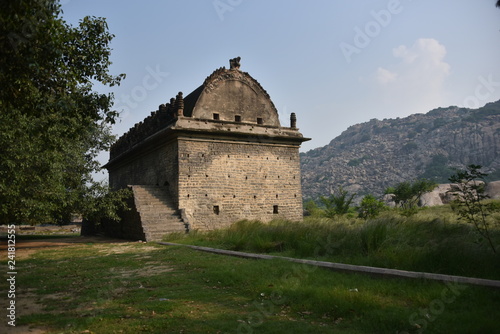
x=369 y=157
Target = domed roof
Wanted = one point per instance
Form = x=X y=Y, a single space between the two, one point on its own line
x=231 y=95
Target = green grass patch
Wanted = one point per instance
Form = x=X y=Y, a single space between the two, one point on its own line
x=147 y=288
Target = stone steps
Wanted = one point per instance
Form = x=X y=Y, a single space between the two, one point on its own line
x=157 y=212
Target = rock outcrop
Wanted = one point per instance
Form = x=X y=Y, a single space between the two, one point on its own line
x=493 y=190
x=446 y=193
x=442 y=194
x=369 y=157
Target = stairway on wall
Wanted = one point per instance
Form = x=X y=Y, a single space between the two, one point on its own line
x=157 y=212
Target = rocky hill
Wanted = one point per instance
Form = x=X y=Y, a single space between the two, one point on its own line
x=369 y=157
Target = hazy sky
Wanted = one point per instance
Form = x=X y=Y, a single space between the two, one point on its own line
x=334 y=63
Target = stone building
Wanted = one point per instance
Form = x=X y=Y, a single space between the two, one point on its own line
x=206 y=160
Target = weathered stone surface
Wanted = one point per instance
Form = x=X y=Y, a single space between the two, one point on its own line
x=247 y=99
x=446 y=193
x=493 y=189
x=244 y=180
x=223 y=158
x=158 y=213
x=439 y=196
x=388 y=199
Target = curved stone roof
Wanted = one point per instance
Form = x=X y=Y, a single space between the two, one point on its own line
x=230 y=93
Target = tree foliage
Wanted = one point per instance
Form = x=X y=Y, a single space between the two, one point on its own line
x=337 y=203
x=407 y=194
x=469 y=199
x=312 y=209
x=52 y=123
x=370 y=207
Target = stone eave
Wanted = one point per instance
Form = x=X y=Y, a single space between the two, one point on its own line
x=229 y=128
x=240 y=137
x=211 y=130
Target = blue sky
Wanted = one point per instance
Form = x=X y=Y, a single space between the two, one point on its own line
x=334 y=63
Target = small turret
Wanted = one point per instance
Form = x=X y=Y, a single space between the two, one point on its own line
x=179 y=104
x=293 y=121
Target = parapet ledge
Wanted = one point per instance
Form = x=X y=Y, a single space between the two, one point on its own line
x=228 y=127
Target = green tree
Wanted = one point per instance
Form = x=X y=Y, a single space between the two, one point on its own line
x=337 y=203
x=52 y=123
x=370 y=207
x=469 y=199
x=312 y=209
x=407 y=194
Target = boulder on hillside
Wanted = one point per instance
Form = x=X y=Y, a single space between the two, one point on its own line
x=443 y=194
x=493 y=189
x=435 y=197
x=388 y=199
x=446 y=193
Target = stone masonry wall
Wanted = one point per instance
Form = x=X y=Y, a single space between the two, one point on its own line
x=221 y=182
x=156 y=167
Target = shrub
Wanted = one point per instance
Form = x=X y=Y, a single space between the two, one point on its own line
x=338 y=203
x=407 y=194
x=469 y=200
x=370 y=207
x=312 y=209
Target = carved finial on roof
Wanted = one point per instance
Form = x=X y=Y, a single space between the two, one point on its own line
x=293 y=120
x=234 y=64
x=171 y=107
x=179 y=104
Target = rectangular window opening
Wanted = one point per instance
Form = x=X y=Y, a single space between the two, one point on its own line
x=237 y=118
x=216 y=209
x=260 y=120
x=216 y=116
x=275 y=209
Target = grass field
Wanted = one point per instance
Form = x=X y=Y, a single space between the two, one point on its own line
x=148 y=288
x=430 y=241
x=132 y=287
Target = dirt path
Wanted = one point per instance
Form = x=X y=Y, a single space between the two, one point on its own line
x=24 y=248
x=23 y=245
x=26 y=300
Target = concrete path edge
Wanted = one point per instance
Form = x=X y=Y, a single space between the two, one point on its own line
x=350 y=267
